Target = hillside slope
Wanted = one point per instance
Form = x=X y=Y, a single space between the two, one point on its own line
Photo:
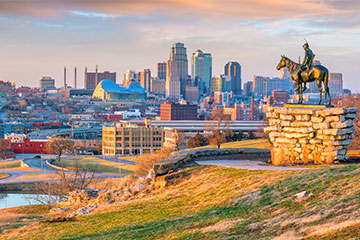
x=227 y=203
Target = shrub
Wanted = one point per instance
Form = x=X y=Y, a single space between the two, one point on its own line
x=146 y=162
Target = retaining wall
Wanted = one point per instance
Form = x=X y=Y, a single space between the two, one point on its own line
x=310 y=135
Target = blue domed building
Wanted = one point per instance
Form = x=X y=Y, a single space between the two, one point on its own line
x=108 y=90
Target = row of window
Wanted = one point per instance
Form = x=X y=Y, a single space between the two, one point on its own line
x=26 y=145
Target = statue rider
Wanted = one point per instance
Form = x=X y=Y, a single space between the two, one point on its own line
x=307 y=63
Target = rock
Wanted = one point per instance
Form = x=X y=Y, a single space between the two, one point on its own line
x=303 y=117
x=173 y=163
x=301 y=124
x=287 y=117
x=285 y=123
x=275 y=128
x=335 y=119
x=128 y=192
x=301 y=195
x=317 y=119
x=347 y=123
x=138 y=187
x=83 y=211
x=150 y=176
x=350 y=116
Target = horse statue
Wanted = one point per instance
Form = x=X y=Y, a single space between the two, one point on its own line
x=317 y=73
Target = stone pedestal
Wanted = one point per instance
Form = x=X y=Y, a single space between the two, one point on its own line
x=310 y=135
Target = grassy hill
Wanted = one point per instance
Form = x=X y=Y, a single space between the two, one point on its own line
x=226 y=203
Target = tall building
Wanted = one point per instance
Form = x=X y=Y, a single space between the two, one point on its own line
x=157 y=86
x=233 y=69
x=177 y=111
x=130 y=76
x=201 y=70
x=192 y=94
x=176 y=71
x=144 y=79
x=248 y=88
x=221 y=83
x=259 y=85
x=161 y=70
x=47 y=83
x=336 y=84
x=92 y=79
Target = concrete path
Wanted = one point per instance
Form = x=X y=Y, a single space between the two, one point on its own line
x=246 y=164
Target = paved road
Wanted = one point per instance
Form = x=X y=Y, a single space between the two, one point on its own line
x=14 y=174
x=38 y=163
x=246 y=164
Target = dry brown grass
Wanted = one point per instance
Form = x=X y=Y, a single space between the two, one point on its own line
x=330 y=227
x=147 y=161
x=222 y=226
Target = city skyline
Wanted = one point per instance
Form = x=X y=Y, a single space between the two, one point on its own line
x=41 y=37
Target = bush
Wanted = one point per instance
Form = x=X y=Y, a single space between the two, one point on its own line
x=146 y=162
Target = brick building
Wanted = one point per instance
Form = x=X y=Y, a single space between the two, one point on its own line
x=176 y=111
x=280 y=96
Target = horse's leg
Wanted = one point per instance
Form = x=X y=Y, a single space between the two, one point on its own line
x=318 y=82
x=301 y=93
x=326 y=86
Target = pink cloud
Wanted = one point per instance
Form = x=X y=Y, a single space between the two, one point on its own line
x=249 y=9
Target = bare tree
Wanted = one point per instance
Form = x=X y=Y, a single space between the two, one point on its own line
x=49 y=192
x=59 y=146
x=354 y=102
x=221 y=129
x=179 y=139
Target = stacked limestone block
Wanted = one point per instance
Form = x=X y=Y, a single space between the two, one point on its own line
x=310 y=135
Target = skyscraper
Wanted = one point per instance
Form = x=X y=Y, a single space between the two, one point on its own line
x=259 y=85
x=233 y=69
x=221 y=83
x=144 y=78
x=176 y=71
x=161 y=70
x=336 y=84
x=129 y=76
x=201 y=70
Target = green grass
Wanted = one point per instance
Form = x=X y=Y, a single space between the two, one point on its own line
x=262 y=202
x=4 y=175
x=253 y=143
x=10 y=164
x=93 y=164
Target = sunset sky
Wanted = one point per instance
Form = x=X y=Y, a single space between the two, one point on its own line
x=39 y=37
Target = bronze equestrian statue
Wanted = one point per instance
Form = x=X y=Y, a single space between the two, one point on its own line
x=307 y=72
